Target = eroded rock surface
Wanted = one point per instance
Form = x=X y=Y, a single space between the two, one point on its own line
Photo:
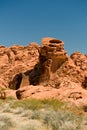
x=52 y=56
x=17 y=59
x=44 y=71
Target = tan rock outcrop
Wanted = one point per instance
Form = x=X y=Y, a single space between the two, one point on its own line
x=80 y=60
x=51 y=56
x=44 y=71
x=17 y=59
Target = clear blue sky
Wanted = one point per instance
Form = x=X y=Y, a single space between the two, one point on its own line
x=25 y=21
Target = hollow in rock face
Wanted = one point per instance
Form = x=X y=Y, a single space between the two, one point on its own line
x=55 y=41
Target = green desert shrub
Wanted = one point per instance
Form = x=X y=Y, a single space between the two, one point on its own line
x=27 y=113
x=55 y=104
x=36 y=104
x=18 y=110
x=32 y=125
x=6 y=107
x=1 y=102
x=33 y=104
x=84 y=122
x=50 y=118
x=10 y=98
x=62 y=120
x=5 y=122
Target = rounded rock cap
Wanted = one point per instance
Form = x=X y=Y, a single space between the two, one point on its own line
x=49 y=40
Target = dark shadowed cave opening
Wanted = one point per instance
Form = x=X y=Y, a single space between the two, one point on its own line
x=33 y=76
x=84 y=83
x=15 y=83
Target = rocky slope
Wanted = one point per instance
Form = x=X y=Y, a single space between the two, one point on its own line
x=44 y=71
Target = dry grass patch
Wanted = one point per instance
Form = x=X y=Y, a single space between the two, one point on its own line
x=33 y=114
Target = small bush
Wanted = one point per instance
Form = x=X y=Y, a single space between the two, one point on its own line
x=32 y=125
x=55 y=104
x=28 y=104
x=51 y=120
x=5 y=123
x=10 y=98
x=36 y=104
x=1 y=102
x=28 y=114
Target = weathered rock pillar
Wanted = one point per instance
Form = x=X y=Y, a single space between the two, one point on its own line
x=52 y=56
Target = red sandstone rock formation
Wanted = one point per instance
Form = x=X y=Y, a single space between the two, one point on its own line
x=44 y=71
x=52 y=56
x=17 y=59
